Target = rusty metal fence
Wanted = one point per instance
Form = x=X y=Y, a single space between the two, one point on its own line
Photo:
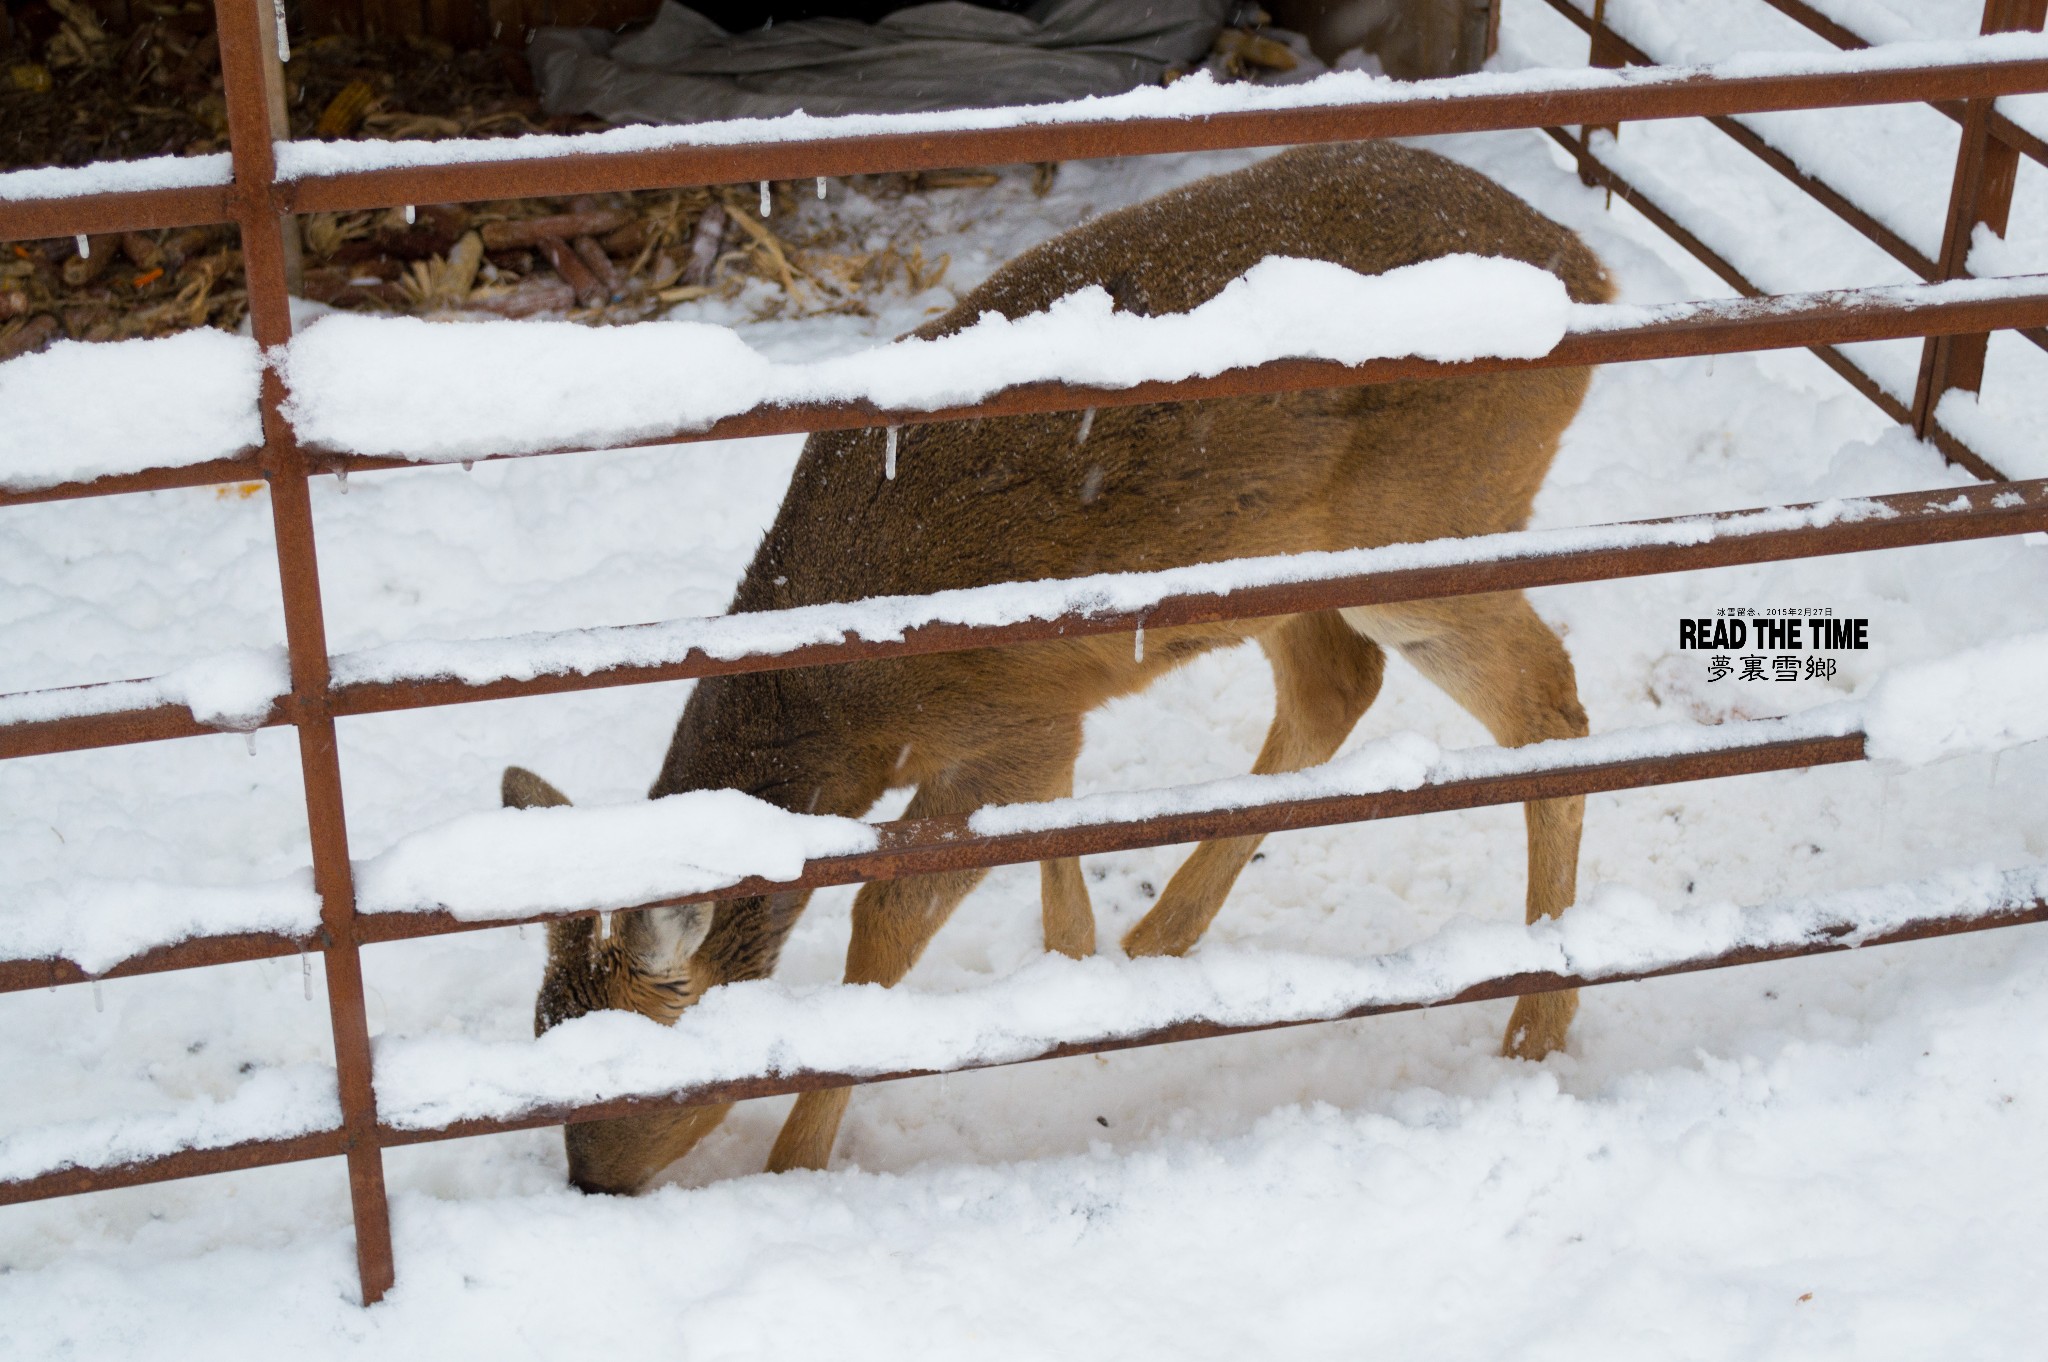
x=1955 y=319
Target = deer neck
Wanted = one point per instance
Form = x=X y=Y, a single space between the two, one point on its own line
x=804 y=740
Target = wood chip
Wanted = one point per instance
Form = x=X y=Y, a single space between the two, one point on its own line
x=35 y=335
x=704 y=244
x=770 y=246
x=501 y=236
x=142 y=252
x=628 y=240
x=81 y=270
x=524 y=299
x=459 y=274
x=576 y=274
x=590 y=253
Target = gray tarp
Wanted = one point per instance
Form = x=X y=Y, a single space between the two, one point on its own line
x=682 y=68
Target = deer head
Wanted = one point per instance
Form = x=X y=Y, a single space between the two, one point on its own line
x=641 y=964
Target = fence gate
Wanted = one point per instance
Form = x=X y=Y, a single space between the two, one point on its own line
x=1953 y=313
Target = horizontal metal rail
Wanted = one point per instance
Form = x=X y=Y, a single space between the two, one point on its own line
x=185 y=1163
x=1981 y=512
x=1711 y=327
x=1842 y=937
x=1758 y=146
x=1601 y=173
x=930 y=845
x=1716 y=326
x=1829 y=940
x=1947 y=515
x=112 y=728
x=2001 y=127
x=229 y=948
x=1823 y=193
x=131 y=210
x=2020 y=139
x=1427 y=111
x=244 y=467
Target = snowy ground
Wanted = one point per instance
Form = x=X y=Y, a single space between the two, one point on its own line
x=1823 y=1158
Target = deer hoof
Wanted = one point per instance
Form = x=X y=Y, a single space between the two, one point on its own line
x=1539 y=1025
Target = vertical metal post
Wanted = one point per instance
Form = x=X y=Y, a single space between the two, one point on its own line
x=1981 y=193
x=1605 y=51
x=249 y=66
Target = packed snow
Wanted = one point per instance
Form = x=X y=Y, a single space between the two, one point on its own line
x=232 y=690
x=279 y=1102
x=114 y=177
x=401 y=386
x=96 y=923
x=507 y=863
x=1827 y=1158
x=79 y=411
x=770 y=1028
x=1984 y=700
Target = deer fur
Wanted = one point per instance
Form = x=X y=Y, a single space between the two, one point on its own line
x=1133 y=489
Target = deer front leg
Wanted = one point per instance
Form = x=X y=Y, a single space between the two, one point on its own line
x=1064 y=906
x=894 y=920
x=1325 y=676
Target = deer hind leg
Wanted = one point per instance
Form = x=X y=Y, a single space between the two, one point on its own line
x=1325 y=675
x=894 y=920
x=1064 y=906
x=1502 y=663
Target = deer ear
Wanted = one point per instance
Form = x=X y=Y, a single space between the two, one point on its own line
x=660 y=941
x=522 y=789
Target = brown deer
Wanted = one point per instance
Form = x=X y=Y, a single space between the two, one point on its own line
x=1135 y=488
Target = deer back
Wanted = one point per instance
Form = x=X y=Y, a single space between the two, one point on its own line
x=1134 y=488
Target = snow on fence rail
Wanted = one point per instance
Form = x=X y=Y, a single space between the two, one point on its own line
x=1197 y=96
x=1059 y=1006
x=763 y=1039
x=561 y=388
x=528 y=865
x=244 y=690
x=260 y=202
x=1191 y=115
x=428 y=884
